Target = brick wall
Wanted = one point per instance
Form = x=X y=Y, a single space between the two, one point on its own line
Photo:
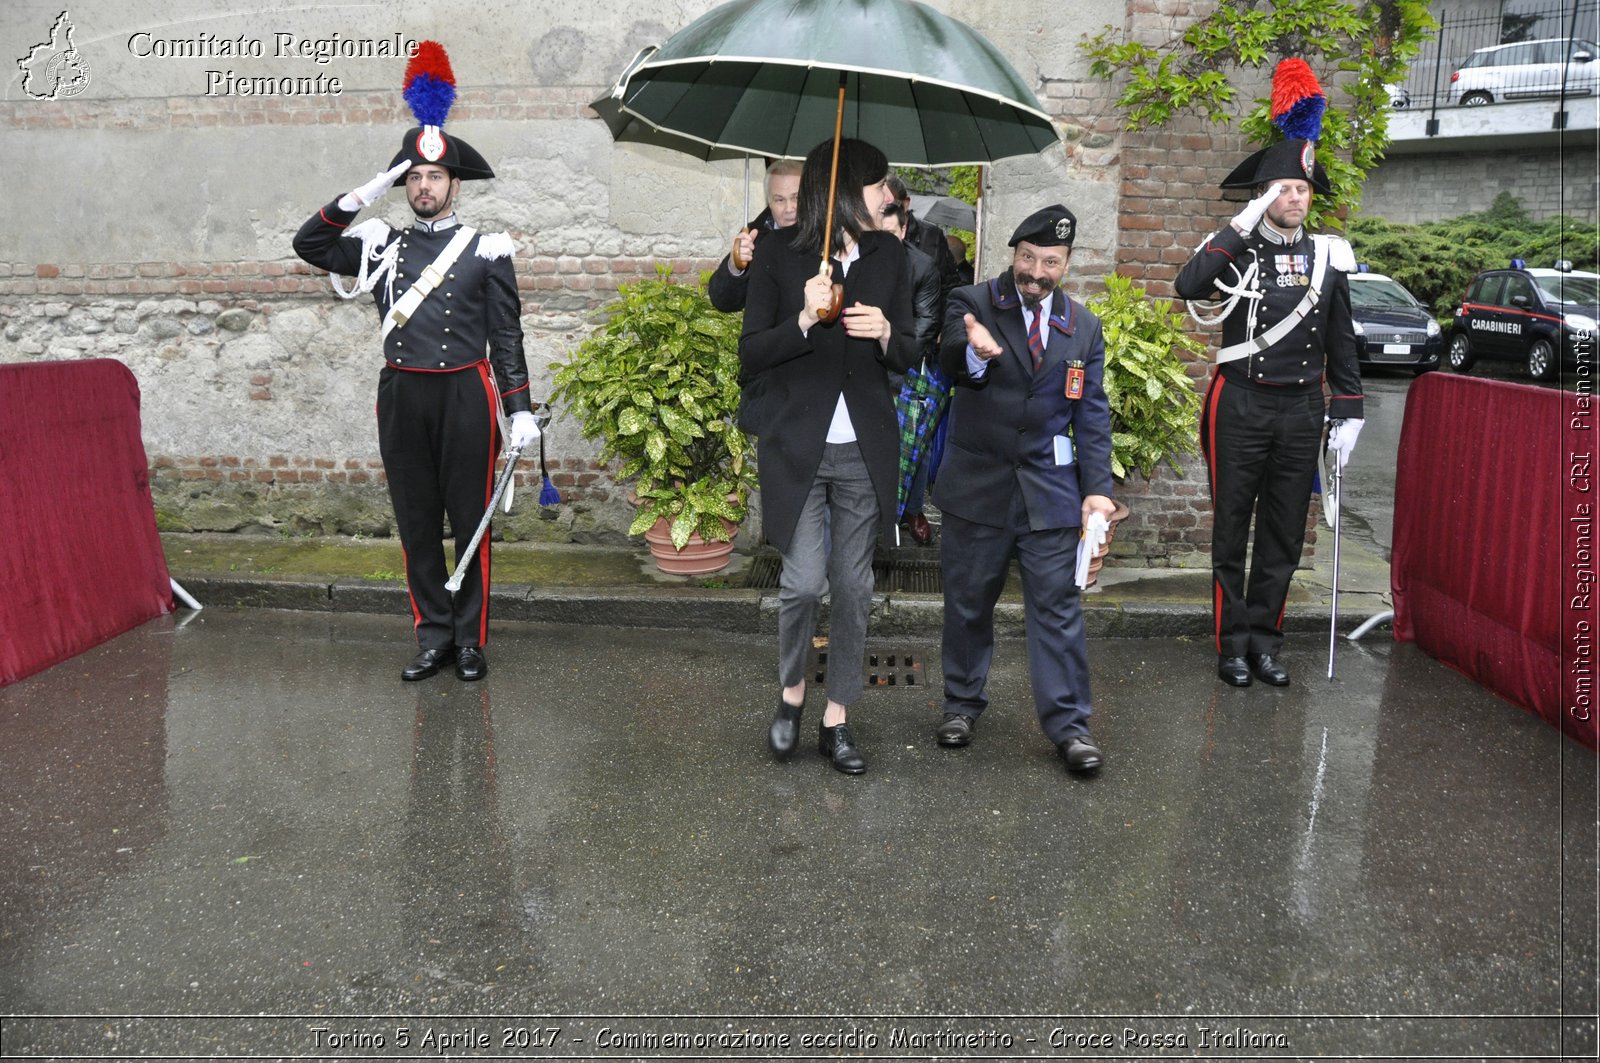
x=258 y=384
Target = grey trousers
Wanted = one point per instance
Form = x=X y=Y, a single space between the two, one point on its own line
x=842 y=506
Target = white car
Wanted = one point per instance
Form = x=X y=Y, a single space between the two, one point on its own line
x=1526 y=70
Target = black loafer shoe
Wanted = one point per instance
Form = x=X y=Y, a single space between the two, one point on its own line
x=471 y=664
x=1233 y=671
x=954 y=730
x=1267 y=669
x=784 y=734
x=427 y=664
x=1081 y=754
x=836 y=744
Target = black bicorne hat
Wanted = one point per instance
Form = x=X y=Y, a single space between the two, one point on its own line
x=1292 y=160
x=429 y=90
x=443 y=149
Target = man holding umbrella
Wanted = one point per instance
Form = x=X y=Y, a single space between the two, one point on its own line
x=728 y=283
x=1027 y=462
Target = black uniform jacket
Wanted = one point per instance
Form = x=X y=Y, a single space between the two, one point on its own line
x=1003 y=424
x=475 y=309
x=795 y=378
x=1322 y=344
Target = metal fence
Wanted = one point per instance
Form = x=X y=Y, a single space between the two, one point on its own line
x=1535 y=53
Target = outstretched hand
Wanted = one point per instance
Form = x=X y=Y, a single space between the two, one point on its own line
x=982 y=342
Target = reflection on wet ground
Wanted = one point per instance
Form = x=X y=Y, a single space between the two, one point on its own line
x=250 y=814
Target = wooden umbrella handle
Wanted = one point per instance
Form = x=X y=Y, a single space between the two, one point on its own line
x=830 y=313
x=740 y=262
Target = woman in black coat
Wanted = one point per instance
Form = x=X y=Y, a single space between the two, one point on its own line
x=818 y=396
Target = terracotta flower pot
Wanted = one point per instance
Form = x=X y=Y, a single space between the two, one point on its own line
x=697 y=558
x=1117 y=517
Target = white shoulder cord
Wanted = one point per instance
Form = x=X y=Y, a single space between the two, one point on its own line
x=371 y=233
x=1209 y=312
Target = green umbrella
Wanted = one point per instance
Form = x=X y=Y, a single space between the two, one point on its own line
x=764 y=77
x=627 y=129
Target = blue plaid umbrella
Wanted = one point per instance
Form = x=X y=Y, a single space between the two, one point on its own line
x=920 y=409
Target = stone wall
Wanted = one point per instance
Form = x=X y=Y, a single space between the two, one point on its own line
x=1434 y=187
x=160 y=209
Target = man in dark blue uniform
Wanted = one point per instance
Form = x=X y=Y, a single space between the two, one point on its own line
x=453 y=362
x=1027 y=461
x=1286 y=328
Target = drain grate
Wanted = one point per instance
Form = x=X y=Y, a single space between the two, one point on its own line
x=882 y=667
x=889 y=575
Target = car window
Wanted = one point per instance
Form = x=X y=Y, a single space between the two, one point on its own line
x=1516 y=285
x=1570 y=289
x=1518 y=55
x=1379 y=293
x=1488 y=289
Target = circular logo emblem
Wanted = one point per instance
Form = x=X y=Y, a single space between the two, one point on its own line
x=1064 y=229
x=1308 y=158
x=67 y=73
x=430 y=145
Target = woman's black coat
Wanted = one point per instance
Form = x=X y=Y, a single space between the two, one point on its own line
x=793 y=380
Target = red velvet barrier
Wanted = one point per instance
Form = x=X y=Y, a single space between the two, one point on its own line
x=81 y=561
x=1493 y=559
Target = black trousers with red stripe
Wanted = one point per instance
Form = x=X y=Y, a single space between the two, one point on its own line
x=439 y=435
x=1260 y=446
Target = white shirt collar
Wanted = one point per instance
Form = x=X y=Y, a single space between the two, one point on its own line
x=1273 y=236
x=438 y=225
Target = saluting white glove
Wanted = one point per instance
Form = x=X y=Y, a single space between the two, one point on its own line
x=524 y=430
x=1247 y=218
x=373 y=190
x=1342 y=439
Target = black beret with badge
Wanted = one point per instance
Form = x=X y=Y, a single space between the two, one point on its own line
x=1051 y=227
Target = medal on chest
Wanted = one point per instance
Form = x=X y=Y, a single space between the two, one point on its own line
x=1293 y=270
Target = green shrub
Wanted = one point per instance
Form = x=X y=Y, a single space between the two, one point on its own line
x=658 y=384
x=1436 y=260
x=1155 y=409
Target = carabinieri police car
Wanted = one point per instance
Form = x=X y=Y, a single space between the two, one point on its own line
x=1535 y=316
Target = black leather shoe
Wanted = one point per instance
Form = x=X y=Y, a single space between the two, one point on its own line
x=1267 y=669
x=1233 y=671
x=427 y=664
x=1081 y=754
x=784 y=734
x=471 y=664
x=836 y=744
x=954 y=730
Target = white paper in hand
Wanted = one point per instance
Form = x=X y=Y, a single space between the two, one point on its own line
x=1093 y=537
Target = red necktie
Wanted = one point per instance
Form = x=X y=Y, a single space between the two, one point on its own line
x=1035 y=341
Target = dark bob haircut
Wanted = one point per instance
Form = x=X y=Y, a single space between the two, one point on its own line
x=860 y=165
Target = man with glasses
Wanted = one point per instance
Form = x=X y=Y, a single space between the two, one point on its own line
x=1028 y=460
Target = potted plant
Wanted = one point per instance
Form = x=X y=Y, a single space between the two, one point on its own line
x=1155 y=409
x=658 y=383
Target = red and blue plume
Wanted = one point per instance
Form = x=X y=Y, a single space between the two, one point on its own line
x=430 y=85
x=1297 y=101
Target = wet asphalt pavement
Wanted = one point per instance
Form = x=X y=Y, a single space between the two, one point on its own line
x=246 y=817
